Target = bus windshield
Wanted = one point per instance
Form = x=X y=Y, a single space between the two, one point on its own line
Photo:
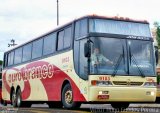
x=121 y=57
x=119 y=27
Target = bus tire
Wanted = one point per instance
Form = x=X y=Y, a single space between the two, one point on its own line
x=13 y=99
x=120 y=106
x=3 y=102
x=19 y=98
x=67 y=98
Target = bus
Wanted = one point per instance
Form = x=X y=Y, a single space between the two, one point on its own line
x=57 y=68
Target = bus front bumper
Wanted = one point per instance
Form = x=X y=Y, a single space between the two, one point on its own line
x=122 y=94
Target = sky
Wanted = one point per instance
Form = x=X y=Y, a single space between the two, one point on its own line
x=24 y=20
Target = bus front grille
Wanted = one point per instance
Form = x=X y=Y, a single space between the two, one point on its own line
x=126 y=83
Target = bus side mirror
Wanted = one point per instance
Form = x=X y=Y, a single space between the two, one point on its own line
x=156 y=55
x=87 y=49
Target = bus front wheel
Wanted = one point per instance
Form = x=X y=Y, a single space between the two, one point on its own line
x=67 y=98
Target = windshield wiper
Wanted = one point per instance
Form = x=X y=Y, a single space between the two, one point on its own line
x=117 y=65
x=118 y=62
x=132 y=58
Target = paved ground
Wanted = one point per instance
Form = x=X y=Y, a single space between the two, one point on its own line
x=85 y=108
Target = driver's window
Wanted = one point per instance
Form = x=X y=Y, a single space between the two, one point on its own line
x=108 y=56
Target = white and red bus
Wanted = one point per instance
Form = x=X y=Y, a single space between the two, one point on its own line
x=57 y=68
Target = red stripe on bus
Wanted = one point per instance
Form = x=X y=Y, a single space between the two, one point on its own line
x=51 y=77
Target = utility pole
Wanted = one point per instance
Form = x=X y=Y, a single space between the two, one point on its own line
x=57 y=12
x=12 y=43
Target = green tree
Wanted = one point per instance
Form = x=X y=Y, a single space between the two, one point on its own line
x=157 y=26
x=1 y=62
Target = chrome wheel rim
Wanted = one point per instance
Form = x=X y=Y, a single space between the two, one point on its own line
x=14 y=99
x=68 y=97
x=18 y=101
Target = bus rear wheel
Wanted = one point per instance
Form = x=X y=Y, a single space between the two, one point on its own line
x=18 y=98
x=67 y=98
x=120 y=106
x=21 y=103
x=3 y=102
x=13 y=99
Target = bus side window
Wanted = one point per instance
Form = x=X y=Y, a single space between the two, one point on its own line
x=60 y=40
x=81 y=28
x=37 y=48
x=10 y=58
x=64 y=38
x=67 y=37
x=5 y=63
x=18 y=56
x=27 y=52
x=49 y=44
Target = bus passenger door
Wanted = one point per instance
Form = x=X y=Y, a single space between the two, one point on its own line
x=81 y=66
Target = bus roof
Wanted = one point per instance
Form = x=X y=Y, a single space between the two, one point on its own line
x=83 y=17
x=114 y=18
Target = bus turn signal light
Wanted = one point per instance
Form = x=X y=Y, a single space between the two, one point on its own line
x=100 y=83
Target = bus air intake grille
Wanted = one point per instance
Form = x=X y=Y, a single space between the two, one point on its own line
x=127 y=83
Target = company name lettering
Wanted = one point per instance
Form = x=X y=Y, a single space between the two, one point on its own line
x=39 y=72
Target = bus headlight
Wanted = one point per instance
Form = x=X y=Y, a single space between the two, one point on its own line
x=150 y=84
x=151 y=93
x=100 y=83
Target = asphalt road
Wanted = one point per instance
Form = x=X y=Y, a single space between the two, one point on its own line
x=85 y=108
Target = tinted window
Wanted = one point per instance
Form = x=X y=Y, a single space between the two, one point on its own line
x=60 y=40
x=27 y=52
x=49 y=44
x=81 y=28
x=18 y=56
x=141 y=59
x=67 y=37
x=5 y=60
x=37 y=48
x=119 y=27
x=10 y=58
x=77 y=29
x=107 y=58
